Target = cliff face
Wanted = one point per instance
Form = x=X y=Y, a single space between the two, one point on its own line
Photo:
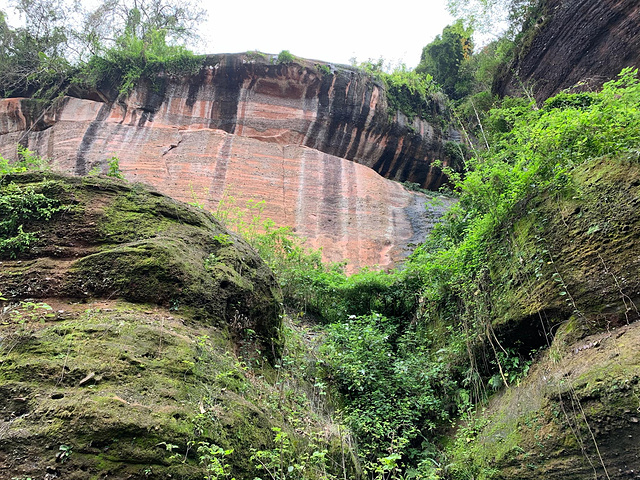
x=576 y=41
x=575 y=415
x=307 y=141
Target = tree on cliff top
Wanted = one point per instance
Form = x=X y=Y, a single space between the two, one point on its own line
x=139 y=19
x=59 y=38
x=32 y=57
x=490 y=16
x=443 y=57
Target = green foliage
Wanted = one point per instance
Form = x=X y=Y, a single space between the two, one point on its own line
x=323 y=68
x=20 y=206
x=284 y=462
x=133 y=59
x=23 y=205
x=486 y=15
x=396 y=390
x=114 y=167
x=113 y=19
x=255 y=55
x=64 y=452
x=26 y=161
x=118 y=42
x=409 y=91
x=408 y=351
x=442 y=60
x=32 y=57
x=285 y=56
x=212 y=457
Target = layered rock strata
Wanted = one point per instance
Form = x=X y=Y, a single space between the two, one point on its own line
x=313 y=145
x=581 y=43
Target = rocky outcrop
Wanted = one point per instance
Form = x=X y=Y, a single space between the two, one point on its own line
x=575 y=416
x=134 y=338
x=96 y=237
x=575 y=42
x=566 y=295
x=313 y=143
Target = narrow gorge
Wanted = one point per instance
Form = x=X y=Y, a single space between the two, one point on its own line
x=155 y=324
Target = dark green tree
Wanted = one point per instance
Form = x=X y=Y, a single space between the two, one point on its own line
x=32 y=57
x=443 y=58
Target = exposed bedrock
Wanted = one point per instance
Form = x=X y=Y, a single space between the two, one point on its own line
x=298 y=138
x=585 y=42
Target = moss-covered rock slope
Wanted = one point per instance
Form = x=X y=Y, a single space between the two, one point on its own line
x=565 y=277
x=100 y=237
x=136 y=336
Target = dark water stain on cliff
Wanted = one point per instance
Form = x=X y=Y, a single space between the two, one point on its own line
x=331 y=196
x=155 y=96
x=228 y=78
x=89 y=137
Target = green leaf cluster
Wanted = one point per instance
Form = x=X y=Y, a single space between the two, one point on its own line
x=412 y=92
x=133 y=59
x=19 y=207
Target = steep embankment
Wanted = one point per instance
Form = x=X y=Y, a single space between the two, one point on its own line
x=566 y=277
x=585 y=42
x=134 y=338
x=306 y=140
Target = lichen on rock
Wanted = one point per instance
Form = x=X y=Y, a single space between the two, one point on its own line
x=117 y=240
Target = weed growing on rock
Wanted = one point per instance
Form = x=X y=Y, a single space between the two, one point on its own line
x=114 y=167
x=22 y=207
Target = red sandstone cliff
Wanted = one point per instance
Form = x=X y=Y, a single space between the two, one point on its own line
x=300 y=139
x=585 y=42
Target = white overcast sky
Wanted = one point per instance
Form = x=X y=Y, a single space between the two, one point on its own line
x=331 y=30
x=334 y=31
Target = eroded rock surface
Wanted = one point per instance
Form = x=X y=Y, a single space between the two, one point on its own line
x=313 y=145
x=566 y=294
x=586 y=42
x=98 y=237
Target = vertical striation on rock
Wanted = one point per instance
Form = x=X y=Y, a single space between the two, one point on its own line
x=581 y=43
x=314 y=146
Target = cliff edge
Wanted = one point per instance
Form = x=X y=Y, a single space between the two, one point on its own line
x=313 y=141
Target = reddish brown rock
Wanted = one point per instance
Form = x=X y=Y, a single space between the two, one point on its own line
x=285 y=134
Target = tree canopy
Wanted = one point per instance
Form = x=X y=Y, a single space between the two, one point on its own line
x=60 y=39
x=443 y=58
x=488 y=16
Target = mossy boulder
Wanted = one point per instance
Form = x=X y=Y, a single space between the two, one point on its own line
x=136 y=341
x=564 y=294
x=112 y=389
x=571 y=255
x=102 y=237
x=575 y=416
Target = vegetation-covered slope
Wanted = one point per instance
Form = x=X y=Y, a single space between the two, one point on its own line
x=543 y=240
x=137 y=339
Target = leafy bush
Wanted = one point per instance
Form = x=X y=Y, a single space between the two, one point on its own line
x=285 y=56
x=20 y=206
x=408 y=91
x=133 y=59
